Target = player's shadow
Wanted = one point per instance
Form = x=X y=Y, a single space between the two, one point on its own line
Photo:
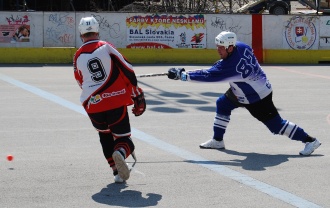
x=253 y=161
x=115 y=195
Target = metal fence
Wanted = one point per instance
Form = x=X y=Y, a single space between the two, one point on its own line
x=180 y=6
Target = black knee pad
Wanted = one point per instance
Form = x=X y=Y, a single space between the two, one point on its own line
x=126 y=143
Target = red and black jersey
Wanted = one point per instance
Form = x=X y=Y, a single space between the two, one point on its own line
x=106 y=78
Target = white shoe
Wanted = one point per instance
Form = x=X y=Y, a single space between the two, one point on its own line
x=118 y=179
x=310 y=147
x=121 y=165
x=213 y=144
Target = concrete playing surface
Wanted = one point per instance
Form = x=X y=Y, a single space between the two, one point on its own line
x=58 y=160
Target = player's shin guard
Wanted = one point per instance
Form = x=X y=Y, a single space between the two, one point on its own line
x=108 y=144
x=219 y=126
x=124 y=145
x=222 y=118
x=283 y=127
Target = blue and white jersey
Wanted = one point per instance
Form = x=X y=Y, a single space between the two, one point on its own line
x=241 y=69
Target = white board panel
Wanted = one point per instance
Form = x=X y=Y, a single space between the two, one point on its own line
x=239 y=24
x=59 y=29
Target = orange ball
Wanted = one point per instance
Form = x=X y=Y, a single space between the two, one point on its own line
x=10 y=157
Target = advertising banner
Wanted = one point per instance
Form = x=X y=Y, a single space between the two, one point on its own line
x=15 y=28
x=166 y=31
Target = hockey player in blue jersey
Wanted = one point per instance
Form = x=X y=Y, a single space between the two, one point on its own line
x=249 y=88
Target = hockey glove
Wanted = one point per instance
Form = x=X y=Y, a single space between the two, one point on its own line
x=175 y=73
x=139 y=104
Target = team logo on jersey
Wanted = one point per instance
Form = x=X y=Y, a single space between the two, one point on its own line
x=114 y=93
x=300 y=33
x=95 y=99
x=241 y=99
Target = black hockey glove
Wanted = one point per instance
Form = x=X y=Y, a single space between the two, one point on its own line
x=139 y=104
x=175 y=73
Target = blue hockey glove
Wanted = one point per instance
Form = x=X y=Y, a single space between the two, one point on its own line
x=175 y=73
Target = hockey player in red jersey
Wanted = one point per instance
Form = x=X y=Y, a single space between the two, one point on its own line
x=108 y=85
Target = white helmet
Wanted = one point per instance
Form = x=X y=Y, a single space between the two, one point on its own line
x=226 y=38
x=88 y=24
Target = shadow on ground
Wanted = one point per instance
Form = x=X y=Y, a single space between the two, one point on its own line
x=116 y=195
x=252 y=161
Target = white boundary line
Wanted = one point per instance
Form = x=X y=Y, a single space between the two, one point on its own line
x=220 y=169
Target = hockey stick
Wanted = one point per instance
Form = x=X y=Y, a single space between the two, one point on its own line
x=151 y=75
x=156 y=75
x=135 y=160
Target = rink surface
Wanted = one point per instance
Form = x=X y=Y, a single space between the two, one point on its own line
x=58 y=161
